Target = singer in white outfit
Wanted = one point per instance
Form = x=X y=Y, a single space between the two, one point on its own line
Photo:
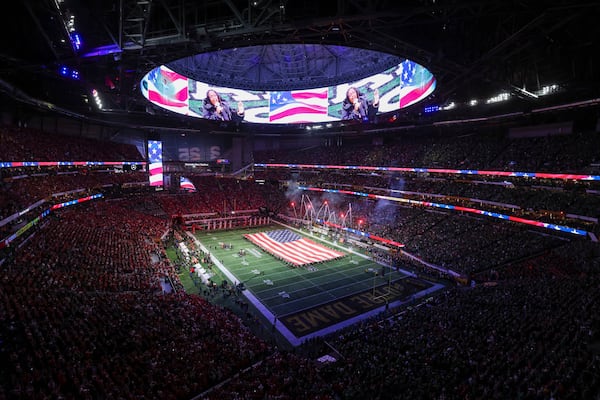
x=216 y=108
x=357 y=107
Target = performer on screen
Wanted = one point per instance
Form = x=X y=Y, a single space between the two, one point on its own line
x=216 y=108
x=356 y=106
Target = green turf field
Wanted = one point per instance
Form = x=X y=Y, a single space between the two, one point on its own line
x=286 y=292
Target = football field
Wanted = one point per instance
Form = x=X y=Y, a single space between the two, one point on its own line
x=313 y=299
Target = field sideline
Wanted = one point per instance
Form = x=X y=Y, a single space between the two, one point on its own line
x=310 y=301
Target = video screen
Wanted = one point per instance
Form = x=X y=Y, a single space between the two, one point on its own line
x=396 y=88
x=155 y=160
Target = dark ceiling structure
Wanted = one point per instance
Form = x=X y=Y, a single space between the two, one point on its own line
x=476 y=49
x=284 y=66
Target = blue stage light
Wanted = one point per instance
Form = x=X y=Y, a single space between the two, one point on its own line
x=68 y=72
x=76 y=40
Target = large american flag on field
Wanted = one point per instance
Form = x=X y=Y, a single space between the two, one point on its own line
x=167 y=89
x=416 y=83
x=298 y=106
x=292 y=247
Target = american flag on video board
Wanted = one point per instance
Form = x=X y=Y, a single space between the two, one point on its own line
x=167 y=88
x=292 y=247
x=298 y=106
x=416 y=83
x=156 y=166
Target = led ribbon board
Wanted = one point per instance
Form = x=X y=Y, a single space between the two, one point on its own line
x=541 y=175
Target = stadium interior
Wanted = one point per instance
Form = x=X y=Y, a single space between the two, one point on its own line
x=446 y=248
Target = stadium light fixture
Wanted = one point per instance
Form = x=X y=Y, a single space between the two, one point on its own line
x=450 y=106
x=71 y=23
x=498 y=98
x=67 y=72
x=548 y=89
x=76 y=40
x=526 y=92
x=97 y=99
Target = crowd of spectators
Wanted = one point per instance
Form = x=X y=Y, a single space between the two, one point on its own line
x=480 y=150
x=524 y=338
x=26 y=144
x=530 y=331
x=31 y=188
x=525 y=194
x=464 y=244
x=223 y=195
x=21 y=186
x=24 y=198
x=463 y=344
x=84 y=313
x=557 y=201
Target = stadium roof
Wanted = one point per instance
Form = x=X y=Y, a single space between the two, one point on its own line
x=476 y=49
x=284 y=66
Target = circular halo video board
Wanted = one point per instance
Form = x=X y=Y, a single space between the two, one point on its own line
x=401 y=85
